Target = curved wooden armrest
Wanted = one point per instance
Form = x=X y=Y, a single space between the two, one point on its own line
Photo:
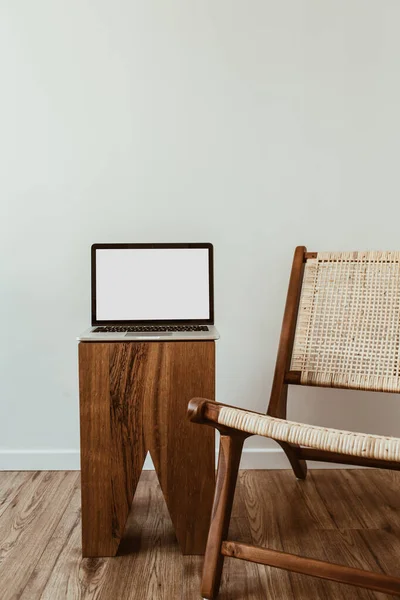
x=202 y=410
x=205 y=411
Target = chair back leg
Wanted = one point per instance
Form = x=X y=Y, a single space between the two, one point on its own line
x=298 y=465
x=230 y=452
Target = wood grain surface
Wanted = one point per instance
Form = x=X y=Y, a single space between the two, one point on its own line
x=40 y=543
x=133 y=400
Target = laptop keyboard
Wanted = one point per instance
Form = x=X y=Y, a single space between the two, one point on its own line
x=145 y=328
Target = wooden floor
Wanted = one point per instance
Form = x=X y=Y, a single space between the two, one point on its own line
x=349 y=516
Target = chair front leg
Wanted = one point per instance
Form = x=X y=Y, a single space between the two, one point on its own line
x=230 y=452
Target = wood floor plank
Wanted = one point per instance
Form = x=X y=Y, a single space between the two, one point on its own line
x=381 y=550
x=12 y=490
x=148 y=551
x=40 y=538
x=33 y=518
x=348 y=548
x=385 y=492
x=241 y=579
x=347 y=508
x=317 y=509
x=298 y=534
x=159 y=548
x=191 y=577
x=263 y=527
x=10 y=484
x=73 y=577
x=365 y=496
x=69 y=523
x=286 y=525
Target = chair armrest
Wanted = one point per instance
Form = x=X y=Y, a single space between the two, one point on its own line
x=202 y=410
x=230 y=420
x=206 y=412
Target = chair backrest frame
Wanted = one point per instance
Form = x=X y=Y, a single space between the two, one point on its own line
x=278 y=399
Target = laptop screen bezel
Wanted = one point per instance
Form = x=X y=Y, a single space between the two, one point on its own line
x=207 y=246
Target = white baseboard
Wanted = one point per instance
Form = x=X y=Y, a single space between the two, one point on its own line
x=68 y=460
x=40 y=460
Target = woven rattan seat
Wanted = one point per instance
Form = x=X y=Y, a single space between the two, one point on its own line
x=311 y=436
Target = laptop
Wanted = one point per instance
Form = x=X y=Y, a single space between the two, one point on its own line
x=161 y=292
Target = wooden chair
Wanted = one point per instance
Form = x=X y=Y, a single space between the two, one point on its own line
x=341 y=329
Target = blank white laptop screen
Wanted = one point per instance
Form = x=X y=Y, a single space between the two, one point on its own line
x=146 y=284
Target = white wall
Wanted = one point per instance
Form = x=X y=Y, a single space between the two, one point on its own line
x=257 y=125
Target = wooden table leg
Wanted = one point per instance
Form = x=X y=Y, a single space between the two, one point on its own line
x=183 y=453
x=133 y=398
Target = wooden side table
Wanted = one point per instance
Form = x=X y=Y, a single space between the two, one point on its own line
x=133 y=399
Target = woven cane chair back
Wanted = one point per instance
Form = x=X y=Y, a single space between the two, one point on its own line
x=348 y=325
